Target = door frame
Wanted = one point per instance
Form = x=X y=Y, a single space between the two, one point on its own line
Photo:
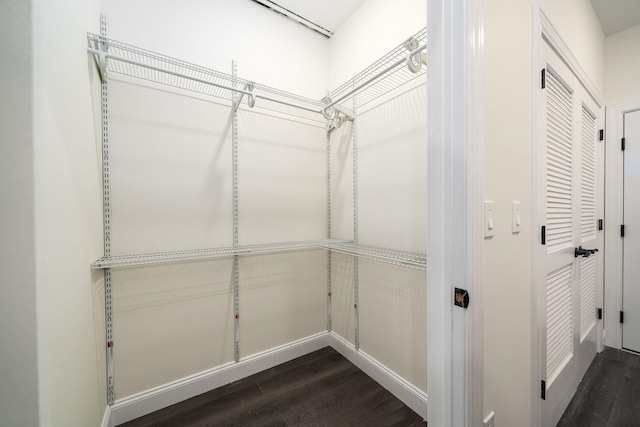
x=454 y=97
x=544 y=32
x=614 y=199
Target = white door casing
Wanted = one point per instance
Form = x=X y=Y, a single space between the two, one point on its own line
x=569 y=204
x=631 y=239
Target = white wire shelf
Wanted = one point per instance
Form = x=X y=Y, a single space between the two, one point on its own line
x=127 y=60
x=122 y=261
x=390 y=256
x=413 y=260
x=381 y=77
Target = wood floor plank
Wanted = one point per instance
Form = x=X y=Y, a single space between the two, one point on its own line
x=372 y=411
x=626 y=410
x=334 y=402
x=608 y=394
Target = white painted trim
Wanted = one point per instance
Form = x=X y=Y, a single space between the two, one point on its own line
x=551 y=35
x=106 y=418
x=409 y=394
x=613 y=219
x=537 y=300
x=475 y=143
x=168 y=394
x=452 y=52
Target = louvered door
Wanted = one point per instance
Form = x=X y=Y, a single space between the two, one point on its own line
x=569 y=207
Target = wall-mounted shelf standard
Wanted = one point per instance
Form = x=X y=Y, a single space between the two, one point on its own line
x=117 y=58
x=413 y=260
x=121 y=261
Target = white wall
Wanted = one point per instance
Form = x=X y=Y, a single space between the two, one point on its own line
x=19 y=401
x=270 y=48
x=623 y=66
x=392 y=194
x=68 y=215
x=622 y=94
x=376 y=27
x=509 y=388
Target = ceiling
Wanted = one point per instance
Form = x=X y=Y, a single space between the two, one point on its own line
x=328 y=15
x=617 y=15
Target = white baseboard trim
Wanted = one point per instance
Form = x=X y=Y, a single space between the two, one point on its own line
x=157 y=398
x=410 y=395
x=106 y=418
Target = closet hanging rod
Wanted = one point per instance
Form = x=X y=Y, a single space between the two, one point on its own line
x=252 y=96
x=410 y=55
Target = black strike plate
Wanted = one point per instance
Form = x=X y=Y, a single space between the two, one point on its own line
x=461 y=298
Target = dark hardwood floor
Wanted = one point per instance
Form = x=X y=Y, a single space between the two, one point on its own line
x=609 y=394
x=319 y=389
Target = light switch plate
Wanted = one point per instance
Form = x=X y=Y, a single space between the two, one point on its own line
x=516 y=218
x=489 y=224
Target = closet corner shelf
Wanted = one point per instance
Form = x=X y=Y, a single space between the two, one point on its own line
x=415 y=260
x=121 y=261
x=401 y=65
x=384 y=75
x=115 y=58
x=402 y=258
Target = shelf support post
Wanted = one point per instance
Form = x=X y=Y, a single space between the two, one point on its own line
x=356 y=306
x=106 y=206
x=236 y=98
x=328 y=160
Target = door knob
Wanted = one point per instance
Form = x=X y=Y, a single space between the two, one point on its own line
x=580 y=251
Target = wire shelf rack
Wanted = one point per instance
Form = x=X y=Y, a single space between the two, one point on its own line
x=379 y=81
x=121 y=261
x=413 y=260
x=390 y=256
x=128 y=60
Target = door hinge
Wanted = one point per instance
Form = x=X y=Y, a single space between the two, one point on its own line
x=600 y=225
x=622 y=230
x=599 y=312
x=543 y=235
x=543 y=390
x=601 y=135
x=461 y=298
x=544 y=78
x=623 y=144
x=622 y=317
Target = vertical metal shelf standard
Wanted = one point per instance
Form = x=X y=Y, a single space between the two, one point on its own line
x=106 y=214
x=329 y=261
x=235 y=98
x=356 y=275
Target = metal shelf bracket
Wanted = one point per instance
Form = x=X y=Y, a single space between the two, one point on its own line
x=415 y=57
x=248 y=90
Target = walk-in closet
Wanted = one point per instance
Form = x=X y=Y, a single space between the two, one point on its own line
x=246 y=225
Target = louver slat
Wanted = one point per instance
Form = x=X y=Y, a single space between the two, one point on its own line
x=587 y=296
x=559 y=321
x=588 y=178
x=559 y=165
